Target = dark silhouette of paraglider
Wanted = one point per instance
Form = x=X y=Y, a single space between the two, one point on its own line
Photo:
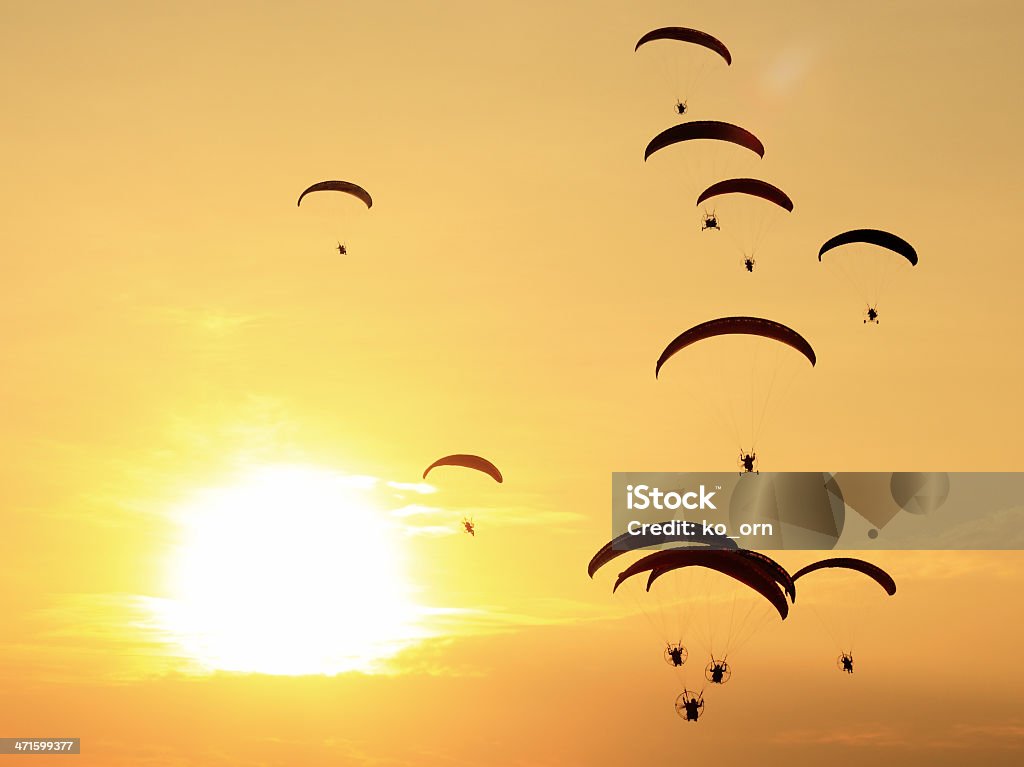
x=690 y=705
x=466 y=461
x=690 y=37
x=710 y=130
x=345 y=187
x=676 y=654
x=718 y=671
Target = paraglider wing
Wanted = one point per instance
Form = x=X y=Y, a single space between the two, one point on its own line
x=876 y=573
x=778 y=573
x=756 y=580
x=657 y=559
x=754 y=326
x=339 y=186
x=705 y=129
x=627 y=542
x=686 y=35
x=730 y=563
x=467 y=462
x=882 y=239
x=750 y=186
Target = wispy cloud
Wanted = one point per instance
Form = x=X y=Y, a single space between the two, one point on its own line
x=418 y=510
x=422 y=488
x=209 y=321
x=985 y=735
x=873 y=736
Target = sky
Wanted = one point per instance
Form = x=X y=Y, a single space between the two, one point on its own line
x=206 y=407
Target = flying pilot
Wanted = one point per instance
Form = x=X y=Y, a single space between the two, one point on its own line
x=748 y=461
x=693 y=707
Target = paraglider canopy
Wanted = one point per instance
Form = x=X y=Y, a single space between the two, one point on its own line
x=755 y=326
x=345 y=187
x=687 y=35
x=878 y=237
x=626 y=542
x=468 y=462
x=705 y=129
x=750 y=572
x=876 y=573
x=750 y=186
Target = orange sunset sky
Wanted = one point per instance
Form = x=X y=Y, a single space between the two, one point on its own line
x=216 y=547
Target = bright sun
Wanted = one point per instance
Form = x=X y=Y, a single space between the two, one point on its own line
x=290 y=571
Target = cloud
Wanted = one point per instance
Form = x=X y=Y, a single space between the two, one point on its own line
x=418 y=510
x=980 y=736
x=208 y=321
x=991 y=735
x=415 y=487
x=954 y=565
x=875 y=737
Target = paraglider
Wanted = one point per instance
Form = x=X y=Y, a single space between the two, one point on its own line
x=710 y=221
x=690 y=705
x=687 y=62
x=752 y=206
x=346 y=188
x=865 y=259
x=761 y=579
x=717 y=671
x=748 y=462
x=850 y=609
x=725 y=396
x=474 y=462
x=466 y=461
x=676 y=654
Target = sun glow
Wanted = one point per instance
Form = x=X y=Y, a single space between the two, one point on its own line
x=290 y=571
